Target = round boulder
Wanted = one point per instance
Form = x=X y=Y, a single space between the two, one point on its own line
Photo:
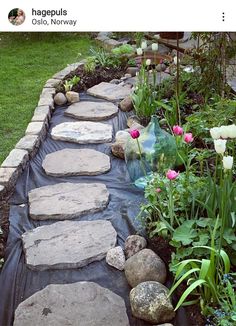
x=145 y=266
x=72 y=97
x=60 y=99
x=133 y=244
x=149 y=301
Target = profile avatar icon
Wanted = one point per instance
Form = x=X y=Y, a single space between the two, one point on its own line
x=16 y=16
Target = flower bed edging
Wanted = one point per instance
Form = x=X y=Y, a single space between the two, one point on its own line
x=28 y=145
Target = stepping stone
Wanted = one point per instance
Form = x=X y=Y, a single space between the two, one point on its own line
x=110 y=92
x=76 y=304
x=68 y=162
x=92 y=111
x=68 y=244
x=82 y=132
x=67 y=200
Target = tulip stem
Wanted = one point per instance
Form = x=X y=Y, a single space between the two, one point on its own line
x=141 y=160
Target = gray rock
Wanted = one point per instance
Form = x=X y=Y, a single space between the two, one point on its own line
x=132 y=71
x=42 y=113
x=51 y=83
x=116 y=258
x=8 y=176
x=16 y=158
x=60 y=99
x=115 y=81
x=118 y=148
x=80 y=304
x=83 y=132
x=47 y=91
x=145 y=266
x=68 y=162
x=149 y=301
x=36 y=128
x=110 y=92
x=132 y=120
x=68 y=244
x=161 y=67
x=122 y=136
x=72 y=97
x=29 y=143
x=133 y=244
x=92 y=111
x=67 y=200
x=126 y=104
x=46 y=100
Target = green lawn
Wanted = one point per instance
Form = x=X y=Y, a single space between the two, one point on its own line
x=27 y=61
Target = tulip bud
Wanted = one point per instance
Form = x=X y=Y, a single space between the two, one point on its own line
x=224 y=132
x=232 y=131
x=228 y=162
x=215 y=132
x=144 y=45
x=154 y=46
x=148 y=62
x=134 y=133
x=220 y=145
x=172 y=174
x=139 y=51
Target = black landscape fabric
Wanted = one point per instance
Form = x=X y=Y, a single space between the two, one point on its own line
x=17 y=282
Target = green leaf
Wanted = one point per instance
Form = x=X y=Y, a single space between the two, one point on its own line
x=203 y=240
x=185 y=233
x=189 y=290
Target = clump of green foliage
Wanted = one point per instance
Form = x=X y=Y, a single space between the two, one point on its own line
x=70 y=83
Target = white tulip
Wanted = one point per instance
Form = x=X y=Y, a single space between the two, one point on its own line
x=154 y=46
x=232 y=131
x=215 y=132
x=220 y=145
x=144 y=45
x=175 y=60
x=148 y=62
x=139 y=51
x=228 y=162
x=224 y=131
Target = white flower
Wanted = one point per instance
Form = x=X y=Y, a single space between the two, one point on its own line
x=224 y=131
x=154 y=46
x=228 y=162
x=215 y=132
x=157 y=36
x=139 y=51
x=220 y=145
x=144 y=45
x=148 y=62
x=175 y=60
x=232 y=131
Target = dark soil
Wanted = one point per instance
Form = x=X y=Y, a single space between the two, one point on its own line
x=163 y=249
x=4 y=224
x=87 y=80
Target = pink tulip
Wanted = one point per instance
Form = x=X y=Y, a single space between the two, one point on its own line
x=188 y=138
x=172 y=174
x=158 y=190
x=134 y=133
x=177 y=130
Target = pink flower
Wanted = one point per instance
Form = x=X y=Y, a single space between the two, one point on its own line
x=188 y=138
x=177 y=130
x=158 y=190
x=134 y=133
x=172 y=174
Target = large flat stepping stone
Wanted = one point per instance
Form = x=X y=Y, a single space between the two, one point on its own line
x=82 y=132
x=69 y=162
x=76 y=304
x=68 y=244
x=92 y=111
x=67 y=200
x=108 y=91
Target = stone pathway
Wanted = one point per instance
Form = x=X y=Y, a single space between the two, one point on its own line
x=74 y=244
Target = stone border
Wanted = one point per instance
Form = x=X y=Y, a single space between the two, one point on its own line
x=13 y=166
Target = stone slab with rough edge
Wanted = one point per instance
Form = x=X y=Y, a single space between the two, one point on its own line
x=80 y=304
x=29 y=143
x=67 y=200
x=42 y=113
x=36 y=128
x=82 y=132
x=52 y=83
x=16 y=158
x=92 y=111
x=8 y=176
x=68 y=244
x=110 y=92
x=69 y=162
